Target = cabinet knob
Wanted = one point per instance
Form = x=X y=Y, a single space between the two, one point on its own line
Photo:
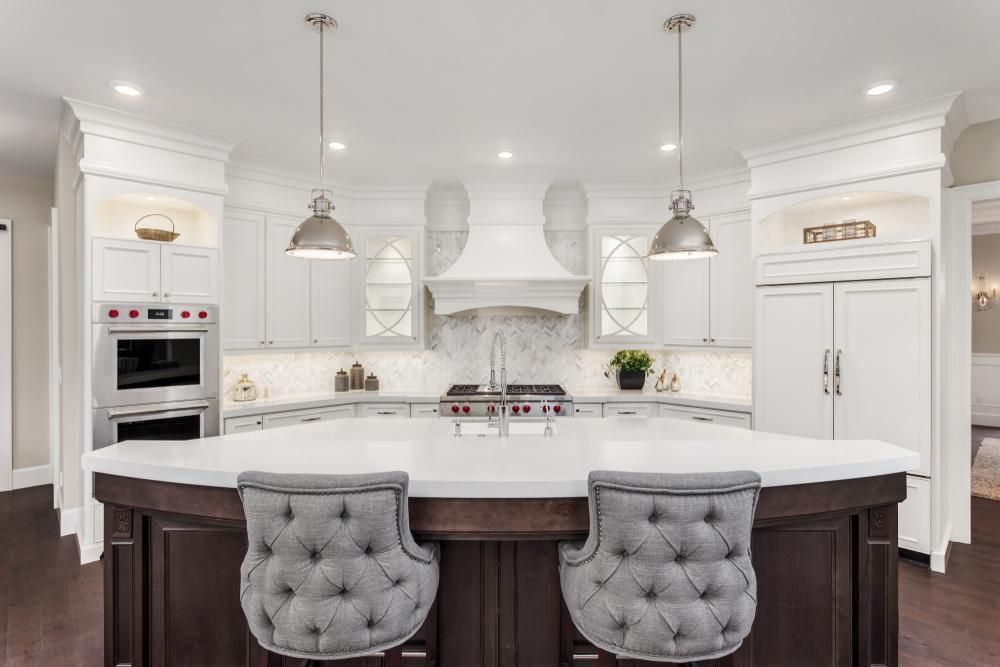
x=315 y=340
x=704 y=340
x=270 y=342
x=166 y=294
x=713 y=340
x=263 y=343
x=154 y=294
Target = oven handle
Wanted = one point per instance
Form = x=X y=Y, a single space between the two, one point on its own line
x=115 y=413
x=112 y=330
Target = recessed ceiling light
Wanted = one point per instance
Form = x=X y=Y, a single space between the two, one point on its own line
x=845 y=198
x=880 y=88
x=667 y=147
x=126 y=88
x=150 y=198
x=337 y=145
x=505 y=155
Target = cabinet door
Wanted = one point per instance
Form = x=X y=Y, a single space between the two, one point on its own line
x=589 y=410
x=383 y=410
x=296 y=417
x=189 y=275
x=622 y=298
x=243 y=424
x=330 y=289
x=243 y=261
x=882 y=347
x=731 y=279
x=287 y=289
x=683 y=304
x=390 y=288
x=706 y=416
x=629 y=409
x=793 y=346
x=126 y=270
x=423 y=410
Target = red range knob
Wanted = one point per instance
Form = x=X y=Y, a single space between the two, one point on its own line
x=545 y=408
x=557 y=409
x=113 y=312
x=454 y=408
x=202 y=315
x=133 y=314
x=526 y=408
x=185 y=314
x=466 y=409
x=515 y=409
x=491 y=408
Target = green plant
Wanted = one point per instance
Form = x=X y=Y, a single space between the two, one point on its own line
x=638 y=361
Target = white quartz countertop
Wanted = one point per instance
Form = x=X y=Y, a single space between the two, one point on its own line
x=521 y=466
x=262 y=406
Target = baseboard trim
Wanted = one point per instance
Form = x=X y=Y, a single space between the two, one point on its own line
x=89 y=553
x=33 y=476
x=69 y=521
x=985 y=419
x=939 y=556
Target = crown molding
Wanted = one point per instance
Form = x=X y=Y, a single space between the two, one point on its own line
x=986 y=212
x=707 y=179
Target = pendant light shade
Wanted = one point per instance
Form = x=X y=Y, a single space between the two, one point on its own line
x=681 y=237
x=320 y=236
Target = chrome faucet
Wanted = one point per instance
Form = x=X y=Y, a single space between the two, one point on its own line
x=498 y=337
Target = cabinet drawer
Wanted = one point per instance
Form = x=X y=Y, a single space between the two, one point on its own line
x=423 y=410
x=706 y=415
x=383 y=410
x=588 y=410
x=291 y=418
x=243 y=424
x=915 y=516
x=629 y=409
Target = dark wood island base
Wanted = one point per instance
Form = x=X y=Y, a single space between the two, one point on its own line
x=825 y=556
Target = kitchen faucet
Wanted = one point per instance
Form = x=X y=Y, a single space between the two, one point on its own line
x=498 y=337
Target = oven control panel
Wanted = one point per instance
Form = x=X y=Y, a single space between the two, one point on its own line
x=113 y=313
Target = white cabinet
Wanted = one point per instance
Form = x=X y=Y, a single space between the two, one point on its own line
x=588 y=410
x=330 y=302
x=295 y=417
x=389 y=282
x=706 y=415
x=423 y=410
x=189 y=275
x=621 y=299
x=243 y=257
x=709 y=302
x=287 y=280
x=243 y=424
x=147 y=271
x=629 y=409
x=914 y=526
x=383 y=410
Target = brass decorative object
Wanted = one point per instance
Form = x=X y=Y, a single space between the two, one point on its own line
x=245 y=389
x=847 y=230
x=154 y=234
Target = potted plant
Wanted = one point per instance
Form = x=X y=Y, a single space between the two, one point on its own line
x=631 y=368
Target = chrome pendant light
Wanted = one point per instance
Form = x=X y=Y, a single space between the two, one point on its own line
x=320 y=236
x=681 y=237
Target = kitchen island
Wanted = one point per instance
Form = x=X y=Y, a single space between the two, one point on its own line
x=824 y=541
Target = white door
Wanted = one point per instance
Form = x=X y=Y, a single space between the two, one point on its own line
x=126 y=271
x=793 y=360
x=732 y=283
x=287 y=289
x=189 y=275
x=683 y=301
x=882 y=354
x=243 y=261
x=6 y=360
x=331 y=302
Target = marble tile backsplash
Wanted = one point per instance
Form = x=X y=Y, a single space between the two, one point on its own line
x=540 y=348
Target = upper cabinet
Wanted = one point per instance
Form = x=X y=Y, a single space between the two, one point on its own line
x=620 y=293
x=389 y=285
x=273 y=300
x=710 y=302
x=148 y=271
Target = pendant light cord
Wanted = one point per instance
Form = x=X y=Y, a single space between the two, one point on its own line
x=322 y=138
x=680 y=103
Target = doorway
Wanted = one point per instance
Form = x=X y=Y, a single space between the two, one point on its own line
x=6 y=360
x=985 y=305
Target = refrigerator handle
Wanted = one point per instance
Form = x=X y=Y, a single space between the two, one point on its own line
x=826 y=371
x=836 y=373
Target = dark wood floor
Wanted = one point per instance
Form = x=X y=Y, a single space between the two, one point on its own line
x=51 y=610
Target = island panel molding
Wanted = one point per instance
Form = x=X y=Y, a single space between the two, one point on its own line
x=824 y=556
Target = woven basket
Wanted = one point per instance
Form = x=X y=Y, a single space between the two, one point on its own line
x=153 y=234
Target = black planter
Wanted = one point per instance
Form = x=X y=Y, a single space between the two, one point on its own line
x=631 y=379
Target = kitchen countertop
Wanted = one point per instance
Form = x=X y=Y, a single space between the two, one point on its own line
x=521 y=466
x=262 y=406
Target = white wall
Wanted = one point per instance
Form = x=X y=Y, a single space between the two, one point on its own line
x=27 y=201
x=976 y=156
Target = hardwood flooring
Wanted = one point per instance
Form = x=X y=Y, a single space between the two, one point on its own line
x=51 y=607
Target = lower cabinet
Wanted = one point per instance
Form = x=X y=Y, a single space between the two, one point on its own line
x=243 y=424
x=630 y=409
x=588 y=410
x=279 y=419
x=705 y=415
x=914 y=526
x=424 y=410
x=383 y=410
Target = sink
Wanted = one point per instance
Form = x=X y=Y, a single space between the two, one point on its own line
x=482 y=429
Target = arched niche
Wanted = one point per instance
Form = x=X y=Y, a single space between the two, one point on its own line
x=116 y=217
x=897 y=216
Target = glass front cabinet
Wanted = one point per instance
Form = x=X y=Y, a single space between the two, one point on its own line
x=390 y=298
x=621 y=291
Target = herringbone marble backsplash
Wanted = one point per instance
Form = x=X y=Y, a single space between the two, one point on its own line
x=540 y=348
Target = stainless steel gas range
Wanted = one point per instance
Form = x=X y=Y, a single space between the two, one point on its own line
x=477 y=402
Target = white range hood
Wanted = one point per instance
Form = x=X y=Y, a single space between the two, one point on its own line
x=506 y=262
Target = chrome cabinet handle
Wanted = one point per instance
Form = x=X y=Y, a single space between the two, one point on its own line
x=702 y=419
x=826 y=371
x=310 y=419
x=836 y=373
x=627 y=412
x=385 y=412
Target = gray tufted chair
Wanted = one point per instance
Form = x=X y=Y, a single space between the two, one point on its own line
x=665 y=574
x=332 y=571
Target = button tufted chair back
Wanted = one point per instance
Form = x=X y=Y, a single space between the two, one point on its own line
x=332 y=570
x=665 y=573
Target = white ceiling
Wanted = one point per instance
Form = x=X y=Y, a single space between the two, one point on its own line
x=576 y=88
